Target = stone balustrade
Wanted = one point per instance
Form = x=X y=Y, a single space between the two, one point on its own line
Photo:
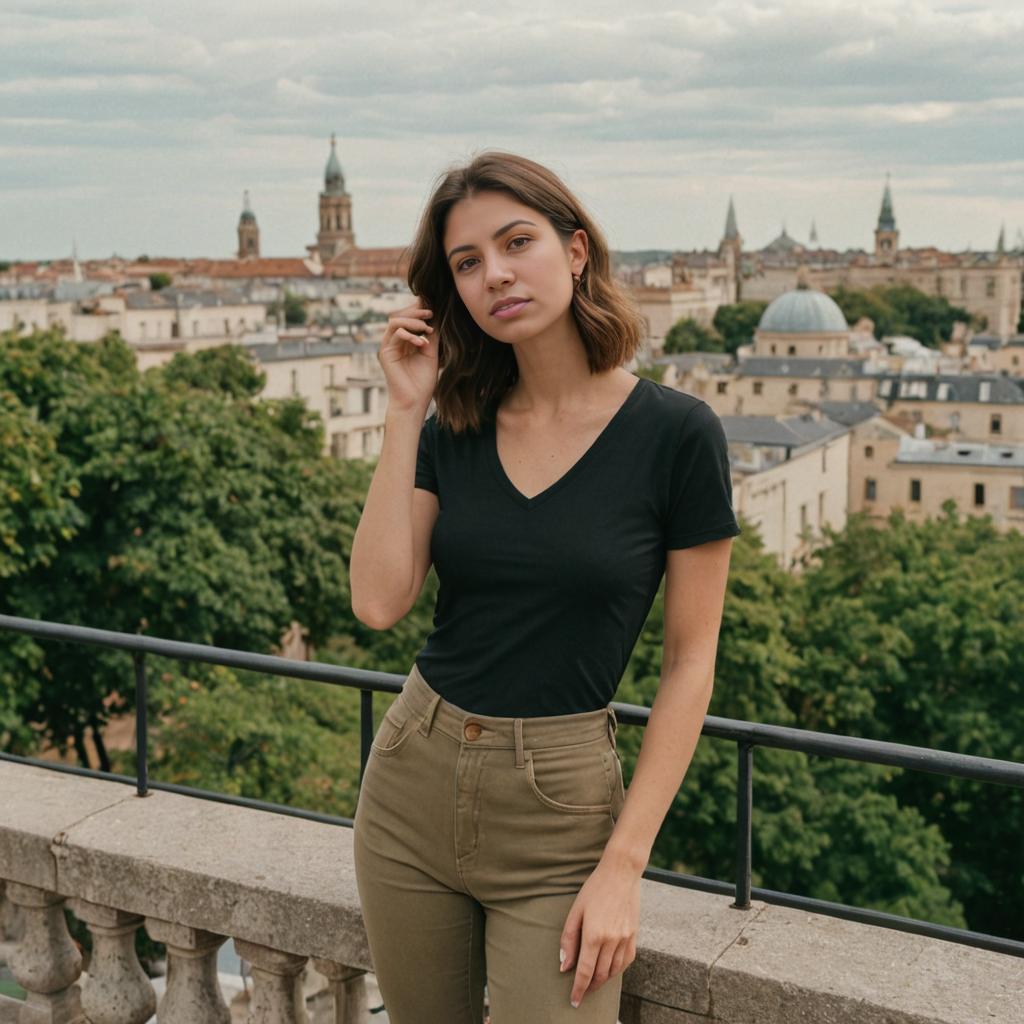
x=194 y=873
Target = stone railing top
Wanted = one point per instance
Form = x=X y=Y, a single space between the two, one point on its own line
x=289 y=883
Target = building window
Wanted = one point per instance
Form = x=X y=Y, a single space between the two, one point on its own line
x=330 y=375
x=821 y=508
x=366 y=442
x=142 y=328
x=338 y=445
x=722 y=385
x=954 y=421
x=869 y=451
x=758 y=387
x=295 y=382
x=915 y=490
x=791 y=351
x=870 y=489
x=773 y=348
x=227 y=326
x=1017 y=497
x=963 y=284
x=979 y=494
x=791 y=389
x=803 y=516
x=996 y=424
x=990 y=287
x=824 y=465
x=195 y=328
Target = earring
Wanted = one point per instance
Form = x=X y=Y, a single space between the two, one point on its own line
x=576 y=280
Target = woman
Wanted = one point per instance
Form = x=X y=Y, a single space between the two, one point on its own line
x=552 y=490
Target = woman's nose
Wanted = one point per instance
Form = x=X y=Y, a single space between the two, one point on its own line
x=498 y=274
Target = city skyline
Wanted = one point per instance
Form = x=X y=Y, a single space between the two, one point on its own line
x=136 y=129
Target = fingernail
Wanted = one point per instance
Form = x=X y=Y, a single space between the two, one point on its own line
x=561 y=958
x=574 y=1005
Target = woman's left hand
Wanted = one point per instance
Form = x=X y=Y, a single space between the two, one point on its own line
x=599 y=937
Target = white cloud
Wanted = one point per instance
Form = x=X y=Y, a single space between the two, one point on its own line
x=655 y=111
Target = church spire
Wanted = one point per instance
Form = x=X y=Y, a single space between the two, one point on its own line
x=1001 y=243
x=334 y=180
x=731 y=230
x=886 y=219
x=814 y=233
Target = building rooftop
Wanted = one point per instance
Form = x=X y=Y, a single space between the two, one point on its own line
x=960 y=453
x=803 y=366
x=994 y=389
x=776 y=432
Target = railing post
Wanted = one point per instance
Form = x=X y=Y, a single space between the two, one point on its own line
x=744 y=809
x=117 y=989
x=141 y=751
x=365 y=729
x=46 y=963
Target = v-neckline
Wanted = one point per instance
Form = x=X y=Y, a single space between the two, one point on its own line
x=573 y=470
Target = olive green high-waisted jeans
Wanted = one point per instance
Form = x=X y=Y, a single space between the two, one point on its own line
x=472 y=837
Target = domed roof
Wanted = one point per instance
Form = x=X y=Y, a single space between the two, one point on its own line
x=247 y=217
x=803 y=311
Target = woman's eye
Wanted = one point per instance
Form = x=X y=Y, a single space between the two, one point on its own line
x=519 y=238
x=469 y=259
x=462 y=265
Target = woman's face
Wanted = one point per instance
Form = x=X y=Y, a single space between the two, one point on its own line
x=498 y=249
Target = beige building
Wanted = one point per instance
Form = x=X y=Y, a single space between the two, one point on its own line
x=987 y=284
x=790 y=477
x=958 y=407
x=340 y=379
x=920 y=475
x=992 y=354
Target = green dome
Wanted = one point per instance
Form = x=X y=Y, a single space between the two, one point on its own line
x=803 y=311
x=247 y=217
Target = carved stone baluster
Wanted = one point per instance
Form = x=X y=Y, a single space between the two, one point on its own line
x=193 y=994
x=348 y=985
x=277 y=996
x=116 y=989
x=46 y=963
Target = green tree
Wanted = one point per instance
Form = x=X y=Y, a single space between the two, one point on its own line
x=913 y=634
x=159 y=280
x=226 y=369
x=737 y=322
x=292 y=306
x=903 y=309
x=210 y=521
x=687 y=335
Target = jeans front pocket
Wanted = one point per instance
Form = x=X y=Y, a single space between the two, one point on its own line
x=395 y=728
x=571 y=779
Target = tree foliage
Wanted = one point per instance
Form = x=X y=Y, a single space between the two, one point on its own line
x=737 y=322
x=687 y=335
x=200 y=515
x=902 y=309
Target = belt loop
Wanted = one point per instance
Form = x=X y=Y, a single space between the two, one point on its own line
x=517 y=728
x=428 y=716
x=613 y=724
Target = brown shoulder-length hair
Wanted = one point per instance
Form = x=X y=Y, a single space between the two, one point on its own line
x=475 y=370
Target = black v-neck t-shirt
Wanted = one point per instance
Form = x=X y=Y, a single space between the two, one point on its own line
x=541 y=599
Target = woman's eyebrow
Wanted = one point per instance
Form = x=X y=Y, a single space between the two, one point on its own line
x=497 y=234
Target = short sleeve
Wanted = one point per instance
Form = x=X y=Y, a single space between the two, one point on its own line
x=426 y=475
x=700 y=491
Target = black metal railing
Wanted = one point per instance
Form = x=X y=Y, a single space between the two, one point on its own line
x=746 y=735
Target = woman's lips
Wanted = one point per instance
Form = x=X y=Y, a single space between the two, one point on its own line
x=509 y=311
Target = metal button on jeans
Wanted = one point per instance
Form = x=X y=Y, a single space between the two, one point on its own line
x=472 y=730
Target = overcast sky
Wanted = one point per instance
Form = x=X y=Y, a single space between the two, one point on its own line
x=134 y=127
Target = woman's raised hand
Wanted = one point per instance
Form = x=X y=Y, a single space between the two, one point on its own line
x=408 y=355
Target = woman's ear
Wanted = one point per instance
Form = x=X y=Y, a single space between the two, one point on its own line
x=579 y=249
